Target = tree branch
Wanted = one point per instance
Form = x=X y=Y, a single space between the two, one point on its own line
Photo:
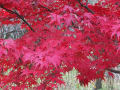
x=85 y=6
x=114 y=71
x=46 y=8
x=19 y=16
x=86 y=2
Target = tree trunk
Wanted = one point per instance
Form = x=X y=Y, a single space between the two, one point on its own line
x=98 y=84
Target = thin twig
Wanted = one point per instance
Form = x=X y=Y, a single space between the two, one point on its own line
x=46 y=8
x=19 y=16
x=86 y=7
x=86 y=3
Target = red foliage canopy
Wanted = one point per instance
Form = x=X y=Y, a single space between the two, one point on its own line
x=62 y=35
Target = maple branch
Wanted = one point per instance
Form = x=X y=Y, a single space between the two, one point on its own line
x=46 y=8
x=19 y=16
x=86 y=2
x=91 y=11
x=85 y=6
x=45 y=82
x=114 y=71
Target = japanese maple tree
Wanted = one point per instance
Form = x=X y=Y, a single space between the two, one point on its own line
x=62 y=35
